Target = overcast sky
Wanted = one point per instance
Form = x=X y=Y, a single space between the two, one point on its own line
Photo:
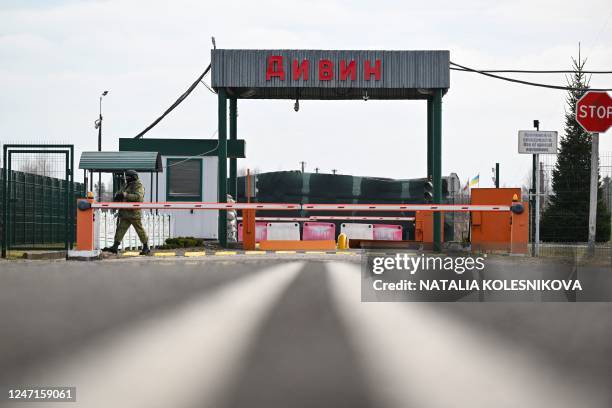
x=56 y=56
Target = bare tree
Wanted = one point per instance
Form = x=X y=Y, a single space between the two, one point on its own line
x=40 y=166
x=103 y=192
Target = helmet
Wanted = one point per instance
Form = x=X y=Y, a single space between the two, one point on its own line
x=131 y=175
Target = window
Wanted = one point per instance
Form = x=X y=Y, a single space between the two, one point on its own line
x=184 y=180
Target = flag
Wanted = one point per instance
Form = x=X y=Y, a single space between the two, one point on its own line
x=475 y=180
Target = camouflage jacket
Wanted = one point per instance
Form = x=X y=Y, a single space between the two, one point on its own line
x=133 y=192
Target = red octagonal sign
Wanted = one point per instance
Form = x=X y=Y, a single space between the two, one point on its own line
x=594 y=111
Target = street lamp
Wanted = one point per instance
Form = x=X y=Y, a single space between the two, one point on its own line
x=98 y=125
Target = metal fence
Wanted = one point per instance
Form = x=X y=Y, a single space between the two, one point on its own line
x=37 y=215
x=458 y=223
x=569 y=236
x=158 y=227
x=37 y=197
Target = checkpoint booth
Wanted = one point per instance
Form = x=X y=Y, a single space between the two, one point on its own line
x=190 y=166
x=188 y=173
x=329 y=75
x=148 y=164
x=144 y=162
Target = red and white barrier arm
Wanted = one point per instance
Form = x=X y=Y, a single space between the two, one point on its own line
x=196 y=206
x=403 y=207
x=332 y=218
x=299 y=207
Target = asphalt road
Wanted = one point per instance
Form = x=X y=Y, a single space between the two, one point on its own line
x=286 y=332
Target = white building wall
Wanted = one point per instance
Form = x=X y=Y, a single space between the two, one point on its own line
x=199 y=224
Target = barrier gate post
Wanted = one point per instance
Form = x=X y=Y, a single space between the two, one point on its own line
x=85 y=225
x=222 y=167
x=249 y=230
x=437 y=168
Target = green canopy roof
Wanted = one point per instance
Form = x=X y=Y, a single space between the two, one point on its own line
x=111 y=162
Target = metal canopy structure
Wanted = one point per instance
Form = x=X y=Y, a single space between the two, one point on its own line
x=335 y=75
x=330 y=75
x=110 y=162
x=182 y=147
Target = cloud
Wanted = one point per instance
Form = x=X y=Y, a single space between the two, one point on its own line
x=56 y=58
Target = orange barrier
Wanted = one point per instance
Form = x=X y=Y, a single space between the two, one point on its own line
x=249 y=229
x=423 y=226
x=85 y=225
x=519 y=231
x=491 y=231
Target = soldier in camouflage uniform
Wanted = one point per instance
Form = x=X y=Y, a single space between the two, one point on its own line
x=133 y=191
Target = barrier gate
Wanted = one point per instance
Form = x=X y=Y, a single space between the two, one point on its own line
x=85 y=215
x=37 y=197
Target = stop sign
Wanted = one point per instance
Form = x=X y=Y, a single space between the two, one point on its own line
x=594 y=111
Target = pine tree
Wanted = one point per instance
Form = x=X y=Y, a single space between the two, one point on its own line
x=567 y=217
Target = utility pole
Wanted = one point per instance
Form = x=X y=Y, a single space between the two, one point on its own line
x=334 y=171
x=532 y=201
x=537 y=208
x=316 y=170
x=496 y=175
x=593 y=192
x=303 y=163
x=98 y=124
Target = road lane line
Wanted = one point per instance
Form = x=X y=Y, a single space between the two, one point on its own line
x=183 y=357
x=416 y=355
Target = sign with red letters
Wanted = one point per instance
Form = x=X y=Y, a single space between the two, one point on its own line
x=330 y=74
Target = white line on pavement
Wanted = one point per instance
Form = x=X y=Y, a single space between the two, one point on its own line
x=183 y=357
x=414 y=355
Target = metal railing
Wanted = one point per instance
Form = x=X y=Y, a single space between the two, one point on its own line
x=159 y=227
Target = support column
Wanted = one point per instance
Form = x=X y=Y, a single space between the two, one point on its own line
x=437 y=166
x=593 y=192
x=222 y=166
x=430 y=126
x=5 y=201
x=233 y=162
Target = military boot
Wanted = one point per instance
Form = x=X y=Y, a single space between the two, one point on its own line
x=113 y=250
x=145 y=250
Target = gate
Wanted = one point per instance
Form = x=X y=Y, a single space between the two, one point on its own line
x=38 y=197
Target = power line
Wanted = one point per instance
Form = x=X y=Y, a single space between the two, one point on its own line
x=455 y=67
x=196 y=155
x=175 y=104
x=530 y=71
x=519 y=81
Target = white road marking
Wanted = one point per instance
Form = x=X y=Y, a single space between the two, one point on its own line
x=183 y=357
x=416 y=356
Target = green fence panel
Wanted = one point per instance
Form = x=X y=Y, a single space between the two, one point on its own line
x=37 y=217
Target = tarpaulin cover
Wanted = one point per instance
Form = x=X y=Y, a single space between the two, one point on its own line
x=318 y=188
